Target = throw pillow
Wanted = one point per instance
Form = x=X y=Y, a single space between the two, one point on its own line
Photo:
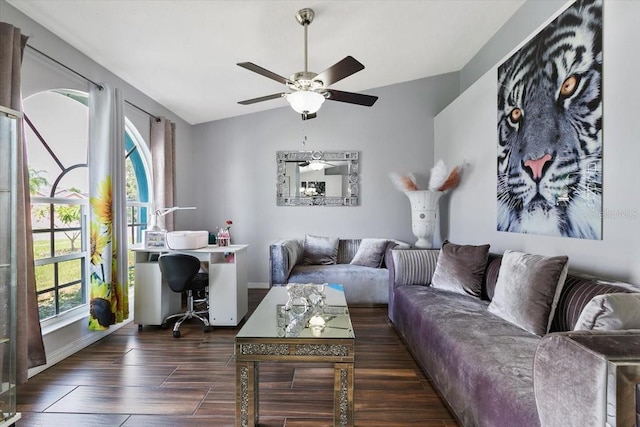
x=611 y=312
x=319 y=250
x=460 y=268
x=370 y=253
x=414 y=266
x=528 y=289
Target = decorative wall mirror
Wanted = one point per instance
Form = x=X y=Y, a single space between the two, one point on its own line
x=317 y=178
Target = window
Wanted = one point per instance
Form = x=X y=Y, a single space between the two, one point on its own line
x=56 y=136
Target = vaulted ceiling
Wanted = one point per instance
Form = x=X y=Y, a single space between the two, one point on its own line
x=183 y=53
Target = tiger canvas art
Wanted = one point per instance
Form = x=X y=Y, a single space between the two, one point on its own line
x=549 y=178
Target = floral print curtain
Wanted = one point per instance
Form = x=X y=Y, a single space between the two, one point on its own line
x=109 y=299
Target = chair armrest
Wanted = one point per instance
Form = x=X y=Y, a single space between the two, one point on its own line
x=588 y=378
x=283 y=256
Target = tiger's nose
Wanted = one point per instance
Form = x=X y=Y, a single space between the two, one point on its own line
x=535 y=167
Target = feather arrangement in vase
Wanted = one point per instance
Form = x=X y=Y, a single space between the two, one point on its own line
x=424 y=203
x=440 y=178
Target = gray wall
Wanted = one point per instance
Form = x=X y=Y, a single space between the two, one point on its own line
x=236 y=168
x=472 y=209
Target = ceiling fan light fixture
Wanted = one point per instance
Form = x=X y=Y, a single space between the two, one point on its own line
x=305 y=101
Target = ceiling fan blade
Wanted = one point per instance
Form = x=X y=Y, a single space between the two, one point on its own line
x=264 y=72
x=351 y=98
x=338 y=71
x=262 y=98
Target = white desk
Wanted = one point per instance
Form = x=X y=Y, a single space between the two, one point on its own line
x=228 y=294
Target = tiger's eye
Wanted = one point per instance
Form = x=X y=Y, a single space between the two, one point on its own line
x=516 y=115
x=569 y=86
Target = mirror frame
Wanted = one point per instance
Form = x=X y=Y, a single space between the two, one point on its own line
x=353 y=187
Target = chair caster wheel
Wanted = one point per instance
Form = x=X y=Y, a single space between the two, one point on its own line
x=176 y=334
x=208 y=329
x=139 y=327
x=164 y=326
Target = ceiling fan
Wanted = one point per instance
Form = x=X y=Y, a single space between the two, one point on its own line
x=308 y=89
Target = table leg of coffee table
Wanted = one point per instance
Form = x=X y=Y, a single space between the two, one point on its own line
x=247 y=394
x=343 y=395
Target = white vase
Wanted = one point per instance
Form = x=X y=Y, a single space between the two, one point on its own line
x=424 y=212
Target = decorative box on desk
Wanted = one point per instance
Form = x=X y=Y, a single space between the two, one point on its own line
x=228 y=294
x=154 y=239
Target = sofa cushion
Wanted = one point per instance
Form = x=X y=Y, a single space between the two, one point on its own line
x=460 y=268
x=528 y=289
x=578 y=290
x=611 y=312
x=319 y=250
x=370 y=253
x=365 y=285
x=347 y=249
x=491 y=276
x=414 y=267
x=461 y=346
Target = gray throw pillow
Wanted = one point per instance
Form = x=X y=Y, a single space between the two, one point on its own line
x=528 y=289
x=319 y=250
x=611 y=312
x=370 y=253
x=460 y=268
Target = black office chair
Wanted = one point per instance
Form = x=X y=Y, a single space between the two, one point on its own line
x=181 y=272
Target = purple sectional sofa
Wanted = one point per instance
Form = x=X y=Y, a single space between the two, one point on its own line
x=493 y=373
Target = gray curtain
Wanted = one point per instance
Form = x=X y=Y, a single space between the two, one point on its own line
x=30 y=347
x=163 y=137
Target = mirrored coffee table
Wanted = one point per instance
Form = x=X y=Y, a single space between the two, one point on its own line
x=319 y=334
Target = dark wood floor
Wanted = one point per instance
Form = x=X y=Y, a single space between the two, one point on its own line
x=150 y=379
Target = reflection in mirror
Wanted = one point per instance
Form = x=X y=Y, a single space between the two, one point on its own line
x=317 y=178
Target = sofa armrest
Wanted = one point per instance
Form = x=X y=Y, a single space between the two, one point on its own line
x=588 y=378
x=410 y=267
x=283 y=256
x=413 y=266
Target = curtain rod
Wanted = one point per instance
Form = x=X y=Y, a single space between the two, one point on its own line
x=98 y=85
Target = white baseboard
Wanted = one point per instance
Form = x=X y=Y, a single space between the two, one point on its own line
x=75 y=346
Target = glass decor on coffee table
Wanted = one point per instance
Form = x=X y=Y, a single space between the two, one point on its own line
x=283 y=331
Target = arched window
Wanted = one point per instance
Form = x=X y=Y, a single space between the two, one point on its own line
x=56 y=136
